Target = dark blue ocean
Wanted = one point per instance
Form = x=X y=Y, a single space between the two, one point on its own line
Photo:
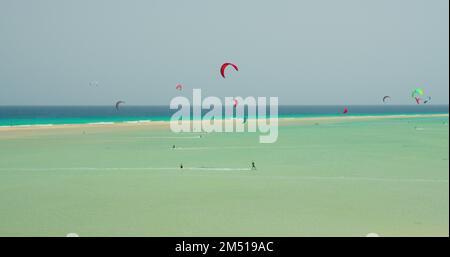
x=45 y=115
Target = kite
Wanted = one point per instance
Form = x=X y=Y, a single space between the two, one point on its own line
x=416 y=94
x=224 y=67
x=118 y=104
x=94 y=83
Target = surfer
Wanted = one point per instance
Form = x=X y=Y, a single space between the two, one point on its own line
x=253 y=166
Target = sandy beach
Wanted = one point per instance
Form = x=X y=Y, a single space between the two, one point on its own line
x=166 y=123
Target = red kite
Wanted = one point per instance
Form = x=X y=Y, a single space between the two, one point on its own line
x=224 y=66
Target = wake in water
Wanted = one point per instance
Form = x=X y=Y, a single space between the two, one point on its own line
x=306 y=178
x=126 y=168
x=168 y=137
x=231 y=148
x=217 y=169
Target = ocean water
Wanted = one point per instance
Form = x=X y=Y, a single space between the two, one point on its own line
x=46 y=115
x=347 y=177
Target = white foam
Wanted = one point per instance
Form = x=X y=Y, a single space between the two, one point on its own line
x=138 y=121
x=30 y=125
x=101 y=123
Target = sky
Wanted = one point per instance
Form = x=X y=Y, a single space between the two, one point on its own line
x=306 y=52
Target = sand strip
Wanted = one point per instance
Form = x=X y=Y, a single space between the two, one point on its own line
x=166 y=123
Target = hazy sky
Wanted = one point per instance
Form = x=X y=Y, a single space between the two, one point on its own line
x=303 y=51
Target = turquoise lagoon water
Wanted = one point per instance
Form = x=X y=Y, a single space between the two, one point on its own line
x=56 y=115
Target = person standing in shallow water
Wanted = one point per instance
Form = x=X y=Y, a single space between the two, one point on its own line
x=253 y=166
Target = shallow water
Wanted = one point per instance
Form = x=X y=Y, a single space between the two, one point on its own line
x=334 y=178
